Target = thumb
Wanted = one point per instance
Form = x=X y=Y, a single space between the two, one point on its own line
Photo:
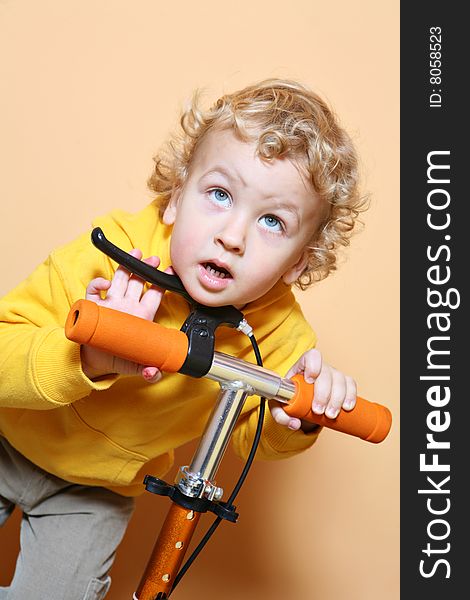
x=282 y=418
x=151 y=374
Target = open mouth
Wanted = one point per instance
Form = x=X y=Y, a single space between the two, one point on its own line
x=217 y=271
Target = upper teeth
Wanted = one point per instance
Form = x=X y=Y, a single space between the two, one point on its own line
x=214 y=272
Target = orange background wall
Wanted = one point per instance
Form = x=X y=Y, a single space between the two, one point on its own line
x=90 y=90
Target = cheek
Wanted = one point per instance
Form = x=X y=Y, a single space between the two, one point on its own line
x=184 y=244
x=271 y=257
x=266 y=270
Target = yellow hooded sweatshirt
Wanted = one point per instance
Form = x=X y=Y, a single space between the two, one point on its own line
x=113 y=431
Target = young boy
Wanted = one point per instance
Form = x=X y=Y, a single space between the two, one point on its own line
x=255 y=196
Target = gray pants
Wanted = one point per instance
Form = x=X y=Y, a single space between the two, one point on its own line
x=69 y=533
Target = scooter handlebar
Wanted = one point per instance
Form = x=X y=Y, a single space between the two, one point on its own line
x=148 y=343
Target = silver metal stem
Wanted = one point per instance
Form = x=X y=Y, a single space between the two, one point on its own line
x=257 y=380
x=238 y=379
x=216 y=436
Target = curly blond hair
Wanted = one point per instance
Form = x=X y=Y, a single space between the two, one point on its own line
x=287 y=120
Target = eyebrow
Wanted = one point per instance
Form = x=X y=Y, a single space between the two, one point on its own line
x=232 y=176
x=293 y=210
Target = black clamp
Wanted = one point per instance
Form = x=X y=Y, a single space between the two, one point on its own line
x=201 y=505
x=200 y=328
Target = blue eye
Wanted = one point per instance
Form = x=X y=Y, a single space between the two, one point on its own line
x=221 y=197
x=271 y=223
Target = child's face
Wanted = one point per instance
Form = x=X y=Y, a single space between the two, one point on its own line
x=241 y=223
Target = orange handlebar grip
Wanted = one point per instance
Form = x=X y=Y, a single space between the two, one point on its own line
x=129 y=337
x=368 y=420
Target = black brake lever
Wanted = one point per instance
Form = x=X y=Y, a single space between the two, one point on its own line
x=164 y=280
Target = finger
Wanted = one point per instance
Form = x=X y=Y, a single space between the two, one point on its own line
x=151 y=374
x=351 y=394
x=322 y=390
x=282 y=418
x=125 y=367
x=136 y=284
x=152 y=298
x=95 y=287
x=313 y=365
x=337 y=394
x=310 y=361
x=121 y=278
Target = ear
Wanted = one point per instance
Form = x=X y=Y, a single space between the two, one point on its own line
x=169 y=215
x=296 y=270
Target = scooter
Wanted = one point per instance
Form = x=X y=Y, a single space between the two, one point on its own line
x=190 y=351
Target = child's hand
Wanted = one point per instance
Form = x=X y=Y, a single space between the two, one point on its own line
x=123 y=293
x=333 y=390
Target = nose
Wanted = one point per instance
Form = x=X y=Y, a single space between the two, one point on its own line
x=232 y=236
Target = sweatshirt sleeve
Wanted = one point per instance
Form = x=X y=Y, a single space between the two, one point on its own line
x=277 y=441
x=39 y=367
x=281 y=345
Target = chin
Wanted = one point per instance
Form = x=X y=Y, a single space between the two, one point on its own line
x=208 y=300
x=201 y=296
